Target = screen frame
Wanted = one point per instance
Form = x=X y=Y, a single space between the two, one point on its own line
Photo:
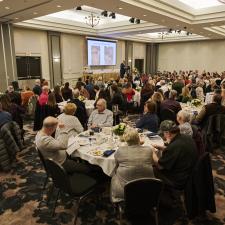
x=101 y=40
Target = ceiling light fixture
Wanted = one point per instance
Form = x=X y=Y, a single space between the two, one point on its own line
x=113 y=15
x=78 y=8
x=132 y=20
x=1 y=0
x=104 y=13
x=7 y=7
x=59 y=6
x=35 y=13
x=92 y=20
x=137 y=21
x=120 y=8
x=144 y=15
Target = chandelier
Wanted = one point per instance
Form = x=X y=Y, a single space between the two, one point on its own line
x=92 y=20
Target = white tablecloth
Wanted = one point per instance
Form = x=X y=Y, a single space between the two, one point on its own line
x=107 y=164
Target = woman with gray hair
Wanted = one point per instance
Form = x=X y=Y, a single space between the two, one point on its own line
x=133 y=162
x=183 y=118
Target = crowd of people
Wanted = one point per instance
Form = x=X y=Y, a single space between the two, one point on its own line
x=160 y=109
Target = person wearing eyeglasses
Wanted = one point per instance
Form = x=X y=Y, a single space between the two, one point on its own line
x=101 y=117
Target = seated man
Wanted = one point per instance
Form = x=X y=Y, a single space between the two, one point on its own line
x=56 y=148
x=210 y=109
x=171 y=103
x=81 y=112
x=178 y=157
x=101 y=117
x=5 y=117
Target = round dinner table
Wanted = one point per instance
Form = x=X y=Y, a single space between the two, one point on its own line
x=91 y=148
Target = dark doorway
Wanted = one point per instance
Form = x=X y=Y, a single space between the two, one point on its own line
x=139 y=64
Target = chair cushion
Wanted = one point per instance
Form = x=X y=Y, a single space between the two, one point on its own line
x=81 y=183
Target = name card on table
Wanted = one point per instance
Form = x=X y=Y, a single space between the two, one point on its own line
x=73 y=145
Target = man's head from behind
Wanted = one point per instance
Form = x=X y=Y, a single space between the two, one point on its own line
x=101 y=105
x=169 y=129
x=49 y=125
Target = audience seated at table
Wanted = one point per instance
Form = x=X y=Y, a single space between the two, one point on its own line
x=14 y=95
x=171 y=103
x=185 y=95
x=133 y=161
x=146 y=93
x=101 y=117
x=117 y=98
x=15 y=110
x=157 y=97
x=55 y=148
x=210 y=109
x=80 y=113
x=183 y=118
x=67 y=92
x=178 y=157
x=5 y=117
x=150 y=120
x=51 y=108
x=72 y=124
x=58 y=94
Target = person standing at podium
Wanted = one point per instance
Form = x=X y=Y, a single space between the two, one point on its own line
x=122 y=69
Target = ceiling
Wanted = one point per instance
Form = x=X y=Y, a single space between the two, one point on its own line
x=205 y=19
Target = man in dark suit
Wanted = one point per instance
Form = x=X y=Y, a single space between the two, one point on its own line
x=80 y=113
x=122 y=69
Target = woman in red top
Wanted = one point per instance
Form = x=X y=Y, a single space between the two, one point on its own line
x=128 y=92
x=43 y=99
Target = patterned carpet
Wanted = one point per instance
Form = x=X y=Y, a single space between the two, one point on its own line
x=21 y=190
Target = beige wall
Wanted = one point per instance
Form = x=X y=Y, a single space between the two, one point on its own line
x=32 y=43
x=139 y=52
x=208 y=55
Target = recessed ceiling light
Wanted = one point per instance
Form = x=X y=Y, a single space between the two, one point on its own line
x=1 y=0
x=7 y=7
x=16 y=18
x=144 y=15
x=177 y=25
x=35 y=13
x=120 y=8
x=59 y=6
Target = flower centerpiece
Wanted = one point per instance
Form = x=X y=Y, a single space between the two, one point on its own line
x=81 y=98
x=196 y=102
x=119 y=129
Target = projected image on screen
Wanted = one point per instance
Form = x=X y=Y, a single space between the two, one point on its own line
x=108 y=55
x=95 y=55
x=101 y=53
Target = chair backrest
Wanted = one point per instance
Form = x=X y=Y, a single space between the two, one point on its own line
x=42 y=160
x=141 y=195
x=198 y=198
x=167 y=114
x=59 y=176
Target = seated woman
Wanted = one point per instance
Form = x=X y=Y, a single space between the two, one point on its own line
x=150 y=120
x=133 y=161
x=157 y=97
x=183 y=118
x=185 y=95
x=72 y=124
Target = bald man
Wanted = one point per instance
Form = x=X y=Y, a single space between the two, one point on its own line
x=55 y=148
x=101 y=117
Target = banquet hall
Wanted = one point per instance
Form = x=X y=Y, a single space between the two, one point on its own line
x=112 y=112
